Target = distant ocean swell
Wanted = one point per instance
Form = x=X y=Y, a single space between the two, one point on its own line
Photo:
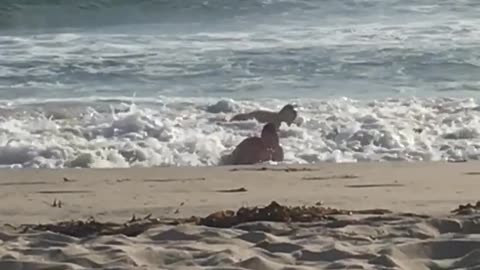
x=360 y=49
x=240 y=64
x=73 y=13
x=94 y=13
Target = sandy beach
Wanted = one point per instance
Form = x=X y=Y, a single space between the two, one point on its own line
x=430 y=237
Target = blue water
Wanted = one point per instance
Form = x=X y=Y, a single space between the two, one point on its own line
x=240 y=49
x=119 y=83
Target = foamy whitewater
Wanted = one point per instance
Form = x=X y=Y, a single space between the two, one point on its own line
x=113 y=83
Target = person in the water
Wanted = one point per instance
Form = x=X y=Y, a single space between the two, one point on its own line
x=256 y=150
x=287 y=114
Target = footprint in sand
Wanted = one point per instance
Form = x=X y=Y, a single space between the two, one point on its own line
x=315 y=178
x=23 y=183
x=63 y=191
x=175 y=179
x=374 y=185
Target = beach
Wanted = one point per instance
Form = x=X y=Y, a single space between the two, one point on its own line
x=115 y=117
x=420 y=232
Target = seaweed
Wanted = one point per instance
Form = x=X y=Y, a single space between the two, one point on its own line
x=466 y=209
x=92 y=227
x=273 y=212
x=279 y=213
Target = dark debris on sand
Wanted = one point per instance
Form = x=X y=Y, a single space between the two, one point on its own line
x=89 y=227
x=272 y=169
x=278 y=213
x=274 y=212
x=223 y=219
x=467 y=209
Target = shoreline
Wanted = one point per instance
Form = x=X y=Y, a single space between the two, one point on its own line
x=28 y=195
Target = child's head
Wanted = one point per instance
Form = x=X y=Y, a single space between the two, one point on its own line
x=269 y=135
x=288 y=114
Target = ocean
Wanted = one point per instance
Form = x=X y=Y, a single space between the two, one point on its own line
x=117 y=83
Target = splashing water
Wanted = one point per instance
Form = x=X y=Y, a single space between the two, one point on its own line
x=179 y=132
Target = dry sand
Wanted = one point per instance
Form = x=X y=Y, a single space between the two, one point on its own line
x=440 y=240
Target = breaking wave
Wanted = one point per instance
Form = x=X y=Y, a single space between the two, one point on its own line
x=195 y=131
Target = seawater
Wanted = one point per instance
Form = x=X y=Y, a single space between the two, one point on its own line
x=116 y=83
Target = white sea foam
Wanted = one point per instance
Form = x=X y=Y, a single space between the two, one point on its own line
x=196 y=132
